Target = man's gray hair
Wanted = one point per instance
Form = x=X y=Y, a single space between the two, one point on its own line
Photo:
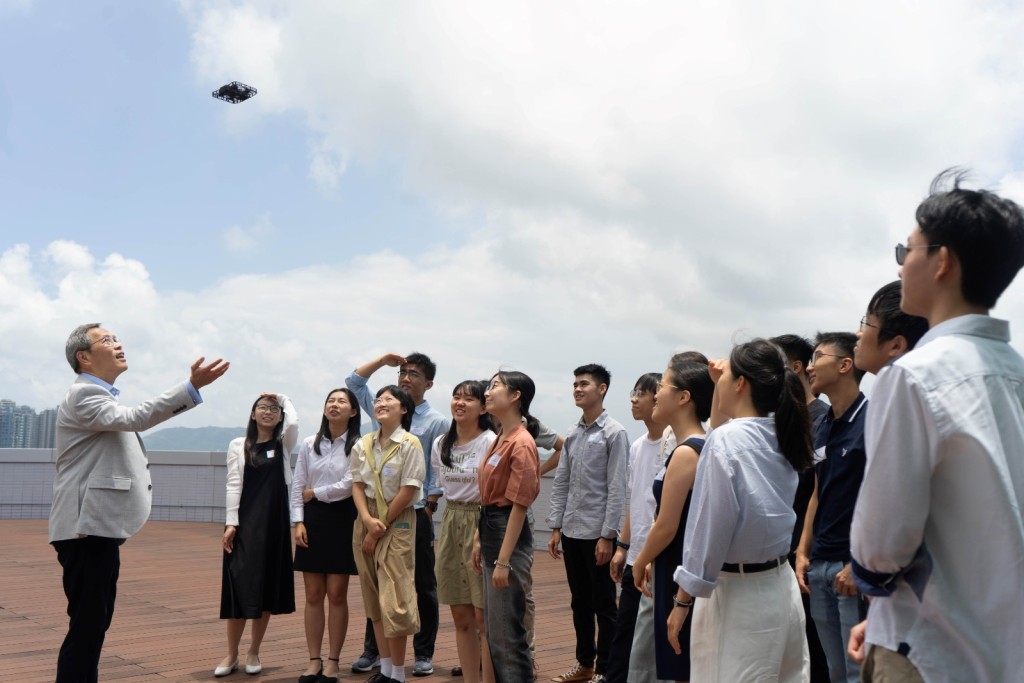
x=78 y=340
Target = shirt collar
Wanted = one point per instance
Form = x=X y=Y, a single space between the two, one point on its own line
x=396 y=436
x=851 y=413
x=114 y=391
x=974 y=324
x=599 y=421
x=422 y=407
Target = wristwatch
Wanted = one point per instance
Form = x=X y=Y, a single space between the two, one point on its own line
x=431 y=505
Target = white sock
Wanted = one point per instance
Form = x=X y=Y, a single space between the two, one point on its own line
x=398 y=673
x=386 y=666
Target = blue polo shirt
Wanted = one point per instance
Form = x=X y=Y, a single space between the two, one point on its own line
x=840 y=460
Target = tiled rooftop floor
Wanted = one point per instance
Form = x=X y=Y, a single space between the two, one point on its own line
x=166 y=625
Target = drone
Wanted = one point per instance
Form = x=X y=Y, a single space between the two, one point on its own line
x=234 y=92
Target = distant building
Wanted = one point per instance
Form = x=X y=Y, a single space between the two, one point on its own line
x=21 y=427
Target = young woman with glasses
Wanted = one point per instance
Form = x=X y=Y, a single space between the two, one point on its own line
x=683 y=402
x=257 y=578
x=509 y=483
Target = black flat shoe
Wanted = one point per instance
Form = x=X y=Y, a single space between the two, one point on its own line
x=328 y=679
x=313 y=678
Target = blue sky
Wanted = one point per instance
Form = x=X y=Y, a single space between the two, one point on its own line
x=110 y=136
x=527 y=185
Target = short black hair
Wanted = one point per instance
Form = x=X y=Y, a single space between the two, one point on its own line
x=404 y=399
x=795 y=347
x=892 y=321
x=598 y=372
x=984 y=230
x=648 y=383
x=844 y=343
x=423 y=361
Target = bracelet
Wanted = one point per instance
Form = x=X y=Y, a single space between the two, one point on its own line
x=502 y=565
x=680 y=603
x=624 y=546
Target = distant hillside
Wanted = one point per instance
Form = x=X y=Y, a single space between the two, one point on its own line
x=192 y=438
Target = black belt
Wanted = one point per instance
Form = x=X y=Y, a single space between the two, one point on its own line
x=753 y=567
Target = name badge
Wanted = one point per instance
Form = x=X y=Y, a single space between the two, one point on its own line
x=596 y=438
x=417 y=431
x=494 y=460
x=388 y=471
x=819 y=455
x=270 y=453
x=660 y=476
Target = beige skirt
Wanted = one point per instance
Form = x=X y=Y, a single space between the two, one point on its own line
x=457 y=581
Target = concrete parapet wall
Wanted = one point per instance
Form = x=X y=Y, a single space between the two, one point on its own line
x=188 y=486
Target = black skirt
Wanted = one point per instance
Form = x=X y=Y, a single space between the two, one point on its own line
x=329 y=534
x=257 y=575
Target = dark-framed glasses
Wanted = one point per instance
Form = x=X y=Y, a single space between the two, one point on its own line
x=902 y=250
x=864 y=323
x=264 y=408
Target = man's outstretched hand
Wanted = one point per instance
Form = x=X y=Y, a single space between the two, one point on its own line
x=207 y=374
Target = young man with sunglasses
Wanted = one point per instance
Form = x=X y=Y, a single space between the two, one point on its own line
x=937 y=534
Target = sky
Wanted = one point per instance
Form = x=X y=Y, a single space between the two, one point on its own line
x=528 y=185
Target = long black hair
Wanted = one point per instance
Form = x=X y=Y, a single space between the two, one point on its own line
x=351 y=429
x=404 y=398
x=476 y=389
x=252 y=432
x=695 y=377
x=521 y=382
x=775 y=388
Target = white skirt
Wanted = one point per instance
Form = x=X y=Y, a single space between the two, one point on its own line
x=751 y=629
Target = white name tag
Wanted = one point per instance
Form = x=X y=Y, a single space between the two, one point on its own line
x=819 y=455
x=660 y=476
x=388 y=471
x=596 y=438
x=417 y=431
x=270 y=453
x=494 y=460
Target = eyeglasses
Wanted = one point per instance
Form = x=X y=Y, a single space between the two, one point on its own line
x=665 y=385
x=495 y=383
x=902 y=250
x=387 y=398
x=637 y=393
x=274 y=410
x=864 y=323
x=107 y=340
x=818 y=354
x=411 y=374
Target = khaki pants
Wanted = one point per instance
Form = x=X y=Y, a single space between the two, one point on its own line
x=885 y=666
x=386 y=578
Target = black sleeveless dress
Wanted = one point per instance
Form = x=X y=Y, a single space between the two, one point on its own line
x=671 y=666
x=257 y=576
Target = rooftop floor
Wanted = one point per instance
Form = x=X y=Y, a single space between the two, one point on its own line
x=166 y=625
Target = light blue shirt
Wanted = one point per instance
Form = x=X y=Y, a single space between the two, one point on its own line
x=115 y=392
x=427 y=425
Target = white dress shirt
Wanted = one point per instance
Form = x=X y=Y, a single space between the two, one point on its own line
x=741 y=508
x=327 y=474
x=944 y=483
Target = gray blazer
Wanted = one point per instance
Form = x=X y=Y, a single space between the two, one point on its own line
x=102 y=487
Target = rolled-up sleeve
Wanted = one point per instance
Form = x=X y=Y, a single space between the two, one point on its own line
x=895 y=495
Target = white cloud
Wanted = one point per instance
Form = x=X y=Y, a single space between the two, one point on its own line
x=240 y=239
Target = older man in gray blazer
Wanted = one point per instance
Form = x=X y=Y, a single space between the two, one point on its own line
x=102 y=492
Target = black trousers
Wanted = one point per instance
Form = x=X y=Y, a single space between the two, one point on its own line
x=625 y=624
x=593 y=595
x=426 y=593
x=91 y=567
